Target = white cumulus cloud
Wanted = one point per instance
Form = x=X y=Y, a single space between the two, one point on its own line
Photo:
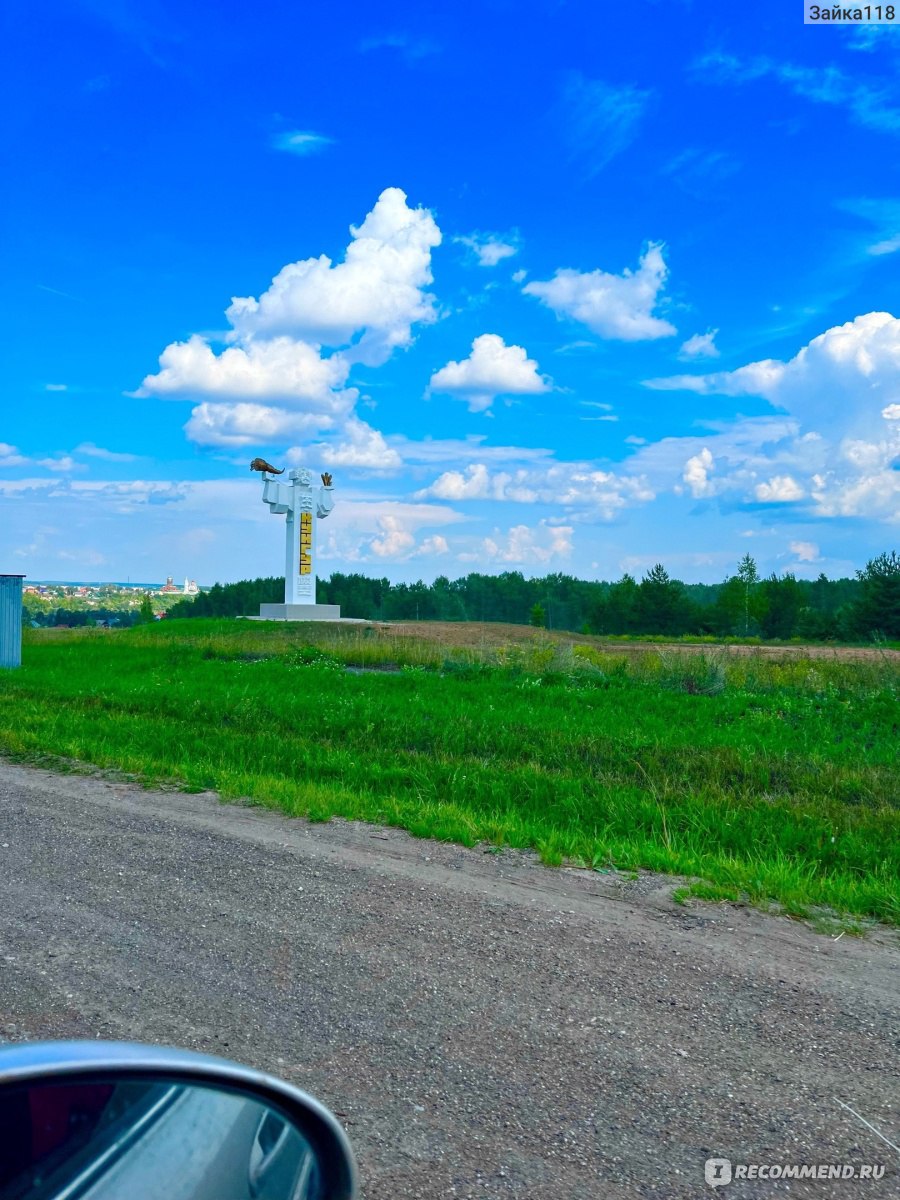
x=527 y=546
x=701 y=345
x=842 y=440
x=588 y=493
x=837 y=376
x=381 y=529
x=492 y=369
x=696 y=473
x=395 y=541
x=436 y=544
x=805 y=551
x=284 y=372
x=246 y=424
x=778 y=490
x=756 y=379
x=376 y=293
x=472 y=484
x=360 y=446
x=613 y=306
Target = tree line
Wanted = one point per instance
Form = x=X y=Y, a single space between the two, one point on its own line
x=76 y=617
x=743 y=605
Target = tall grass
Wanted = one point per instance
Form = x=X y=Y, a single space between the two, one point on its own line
x=773 y=780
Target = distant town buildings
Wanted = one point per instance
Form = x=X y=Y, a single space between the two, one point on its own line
x=170 y=588
x=58 y=605
x=100 y=592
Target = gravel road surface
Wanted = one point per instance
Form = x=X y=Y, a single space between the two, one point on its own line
x=485 y=1027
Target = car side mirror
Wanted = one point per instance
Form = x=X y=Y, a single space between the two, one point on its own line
x=106 y=1120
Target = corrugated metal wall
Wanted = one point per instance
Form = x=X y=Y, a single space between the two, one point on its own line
x=10 y=620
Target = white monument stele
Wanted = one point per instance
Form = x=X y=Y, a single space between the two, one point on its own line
x=301 y=505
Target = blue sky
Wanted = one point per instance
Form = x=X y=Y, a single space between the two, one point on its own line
x=546 y=287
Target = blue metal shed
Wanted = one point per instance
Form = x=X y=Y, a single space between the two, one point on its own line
x=11 y=620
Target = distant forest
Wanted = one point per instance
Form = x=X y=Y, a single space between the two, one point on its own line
x=744 y=605
x=76 y=617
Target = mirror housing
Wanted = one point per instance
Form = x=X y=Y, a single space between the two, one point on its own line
x=85 y=1063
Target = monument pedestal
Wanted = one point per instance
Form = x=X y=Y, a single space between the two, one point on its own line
x=298 y=612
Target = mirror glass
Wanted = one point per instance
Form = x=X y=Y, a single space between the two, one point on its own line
x=149 y=1140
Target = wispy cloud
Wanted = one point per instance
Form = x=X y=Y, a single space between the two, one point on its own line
x=147 y=26
x=57 y=292
x=10 y=457
x=884 y=216
x=302 y=142
x=871 y=103
x=490 y=248
x=62 y=462
x=696 y=171
x=874 y=37
x=453 y=450
x=93 y=451
x=56 y=387
x=412 y=49
x=886 y=246
x=601 y=119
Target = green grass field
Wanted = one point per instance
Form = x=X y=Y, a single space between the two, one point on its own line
x=771 y=781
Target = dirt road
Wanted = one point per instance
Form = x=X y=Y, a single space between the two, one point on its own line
x=487 y=1027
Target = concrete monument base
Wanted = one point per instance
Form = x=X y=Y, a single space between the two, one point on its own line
x=298 y=612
